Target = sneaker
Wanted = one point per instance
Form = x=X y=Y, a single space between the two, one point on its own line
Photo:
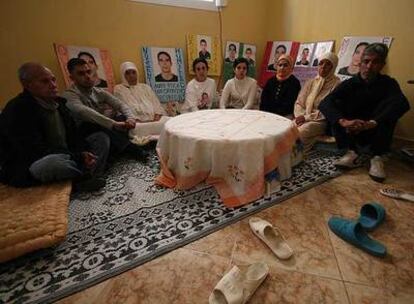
x=376 y=170
x=89 y=185
x=349 y=160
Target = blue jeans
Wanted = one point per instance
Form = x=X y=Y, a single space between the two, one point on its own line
x=57 y=167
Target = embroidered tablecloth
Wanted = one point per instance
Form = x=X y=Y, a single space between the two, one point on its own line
x=230 y=149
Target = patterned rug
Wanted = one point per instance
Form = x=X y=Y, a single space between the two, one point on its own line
x=132 y=221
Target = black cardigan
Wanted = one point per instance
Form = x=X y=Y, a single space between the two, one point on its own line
x=380 y=100
x=280 y=97
x=23 y=141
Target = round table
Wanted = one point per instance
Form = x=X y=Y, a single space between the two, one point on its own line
x=230 y=149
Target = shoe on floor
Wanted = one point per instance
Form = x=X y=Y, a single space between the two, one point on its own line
x=239 y=284
x=349 y=160
x=353 y=233
x=371 y=216
x=376 y=169
x=89 y=185
x=272 y=237
x=397 y=194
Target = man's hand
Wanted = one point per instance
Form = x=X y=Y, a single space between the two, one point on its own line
x=89 y=160
x=300 y=120
x=124 y=125
x=370 y=124
x=119 y=125
x=130 y=124
x=352 y=126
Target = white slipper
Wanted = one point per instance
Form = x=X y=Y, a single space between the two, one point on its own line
x=272 y=237
x=398 y=194
x=140 y=141
x=238 y=285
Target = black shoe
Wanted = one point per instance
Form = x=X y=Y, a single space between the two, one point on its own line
x=150 y=146
x=142 y=156
x=89 y=185
x=137 y=153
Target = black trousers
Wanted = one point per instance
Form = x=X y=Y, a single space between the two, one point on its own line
x=378 y=139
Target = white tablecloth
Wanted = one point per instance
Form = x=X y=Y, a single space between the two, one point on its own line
x=231 y=149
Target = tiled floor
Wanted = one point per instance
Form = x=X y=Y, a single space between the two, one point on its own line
x=324 y=269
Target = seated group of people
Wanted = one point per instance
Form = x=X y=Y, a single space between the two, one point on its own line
x=47 y=138
x=360 y=112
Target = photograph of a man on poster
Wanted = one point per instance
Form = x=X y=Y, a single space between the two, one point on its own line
x=231 y=53
x=351 y=51
x=167 y=74
x=204 y=49
x=278 y=49
x=250 y=54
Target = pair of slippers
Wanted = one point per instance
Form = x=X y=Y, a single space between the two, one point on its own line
x=355 y=232
x=239 y=284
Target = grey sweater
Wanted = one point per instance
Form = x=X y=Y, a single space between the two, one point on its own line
x=89 y=105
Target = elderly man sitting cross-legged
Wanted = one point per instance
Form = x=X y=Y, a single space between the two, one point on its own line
x=364 y=110
x=40 y=140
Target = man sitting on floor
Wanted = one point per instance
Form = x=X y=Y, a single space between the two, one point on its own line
x=97 y=110
x=365 y=110
x=40 y=140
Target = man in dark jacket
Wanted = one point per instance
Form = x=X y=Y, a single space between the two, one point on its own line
x=40 y=140
x=365 y=110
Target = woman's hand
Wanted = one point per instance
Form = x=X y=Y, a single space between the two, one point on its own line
x=300 y=120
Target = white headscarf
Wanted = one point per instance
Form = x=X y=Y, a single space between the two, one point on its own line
x=127 y=65
x=140 y=97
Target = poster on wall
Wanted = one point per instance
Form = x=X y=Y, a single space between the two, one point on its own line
x=351 y=51
x=322 y=47
x=238 y=50
x=305 y=53
x=164 y=72
x=274 y=49
x=98 y=60
x=306 y=65
x=207 y=47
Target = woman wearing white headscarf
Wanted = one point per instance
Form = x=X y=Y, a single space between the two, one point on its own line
x=310 y=121
x=142 y=100
x=138 y=96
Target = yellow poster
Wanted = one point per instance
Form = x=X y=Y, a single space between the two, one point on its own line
x=207 y=47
